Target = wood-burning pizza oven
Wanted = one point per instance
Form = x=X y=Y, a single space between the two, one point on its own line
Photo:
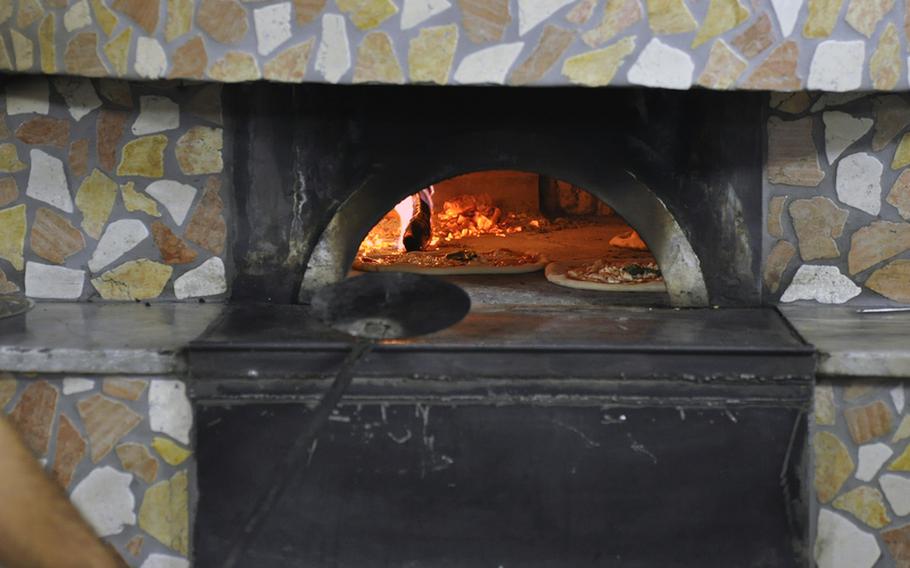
x=549 y=427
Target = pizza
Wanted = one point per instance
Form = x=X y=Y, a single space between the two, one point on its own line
x=641 y=276
x=448 y=261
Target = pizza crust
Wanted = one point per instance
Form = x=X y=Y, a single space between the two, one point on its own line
x=556 y=274
x=465 y=269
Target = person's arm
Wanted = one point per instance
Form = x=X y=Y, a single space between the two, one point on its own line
x=39 y=527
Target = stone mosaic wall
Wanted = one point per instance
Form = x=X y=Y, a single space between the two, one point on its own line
x=832 y=45
x=861 y=454
x=838 y=199
x=112 y=190
x=120 y=448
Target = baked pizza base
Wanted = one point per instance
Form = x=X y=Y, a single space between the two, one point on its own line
x=465 y=268
x=556 y=273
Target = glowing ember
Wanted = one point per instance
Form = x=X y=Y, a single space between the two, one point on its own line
x=470 y=215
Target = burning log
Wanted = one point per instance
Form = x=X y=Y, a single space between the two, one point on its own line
x=419 y=230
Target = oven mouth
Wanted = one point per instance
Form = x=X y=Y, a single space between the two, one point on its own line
x=547 y=221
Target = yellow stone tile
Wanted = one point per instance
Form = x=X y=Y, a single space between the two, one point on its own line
x=670 y=17
x=234 y=67
x=902 y=154
x=885 y=65
x=106 y=19
x=6 y=10
x=135 y=201
x=47 y=44
x=143 y=157
x=198 y=151
x=367 y=14
x=24 y=50
x=822 y=18
x=864 y=15
x=867 y=504
x=723 y=15
x=431 y=53
x=376 y=61
x=290 y=65
x=95 y=198
x=170 y=451
x=825 y=409
x=12 y=235
x=164 y=512
x=618 y=15
x=141 y=279
x=833 y=465
x=118 y=51
x=30 y=11
x=6 y=63
x=903 y=430
x=597 y=68
x=9 y=159
x=179 y=19
x=902 y=463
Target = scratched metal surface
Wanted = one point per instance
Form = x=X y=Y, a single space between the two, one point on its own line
x=512 y=485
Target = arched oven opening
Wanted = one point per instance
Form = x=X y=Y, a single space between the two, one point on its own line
x=519 y=237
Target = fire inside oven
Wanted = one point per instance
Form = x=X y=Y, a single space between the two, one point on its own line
x=531 y=228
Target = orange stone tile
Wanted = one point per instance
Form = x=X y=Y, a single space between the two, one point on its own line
x=143 y=12
x=756 y=38
x=485 y=21
x=868 y=422
x=778 y=72
x=78 y=157
x=53 y=237
x=33 y=415
x=110 y=126
x=225 y=20
x=172 y=248
x=552 y=44
x=81 y=56
x=207 y=227
x=45 y=130
x=69 y=451
x=127 y=389
x=138 y=460
x=106 y=422
x=190 y=60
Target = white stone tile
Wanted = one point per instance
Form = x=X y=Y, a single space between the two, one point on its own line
x=119 y=238
x=859 y=182
x=156 y=114
x=78 y=94
x=53 y=282
x=415 y=12
x=151 y=61
x=156 y=560
x=837 y=66
x=47 y=181
x=787 y=12
x=824 y=284
x=207 y=279
x=660 y=65
x=897 y=490
x=26 y=95
x=105 y=500
x=273 y=26
x=175 y=196
x=841 y=544
x=333 y=56
x=169 y=409
x=871 y=459
x=488 y=66
x=897 y=397
x=532 y=12
x=78 y=16
x=75 y=385
x=841 y=131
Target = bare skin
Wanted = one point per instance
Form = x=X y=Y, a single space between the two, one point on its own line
x=39 y=527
